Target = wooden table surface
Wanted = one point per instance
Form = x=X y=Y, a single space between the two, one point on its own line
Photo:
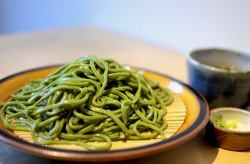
x=24 y=51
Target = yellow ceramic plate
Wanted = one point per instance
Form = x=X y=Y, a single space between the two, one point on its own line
x=193 y=117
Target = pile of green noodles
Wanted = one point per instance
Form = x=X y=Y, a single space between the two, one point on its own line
x=89 y=101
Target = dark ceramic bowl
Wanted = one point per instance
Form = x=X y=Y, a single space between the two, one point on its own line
x=237 y=139
x=222 y=76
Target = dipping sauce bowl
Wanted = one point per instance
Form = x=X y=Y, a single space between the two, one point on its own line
x=222 y=76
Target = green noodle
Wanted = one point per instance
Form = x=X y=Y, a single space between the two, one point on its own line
x=89 y=100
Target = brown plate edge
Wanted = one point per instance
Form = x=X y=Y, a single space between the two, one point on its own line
x=112 y=155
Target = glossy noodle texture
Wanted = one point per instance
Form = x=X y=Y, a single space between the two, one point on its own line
x=89 y=100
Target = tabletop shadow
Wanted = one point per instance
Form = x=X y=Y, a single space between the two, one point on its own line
x=196 y=151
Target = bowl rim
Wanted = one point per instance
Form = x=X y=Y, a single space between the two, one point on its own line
x=234 y=109
x=111 y=155
x=205 y=66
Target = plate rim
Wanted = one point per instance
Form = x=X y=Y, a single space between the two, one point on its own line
x=111 y=155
